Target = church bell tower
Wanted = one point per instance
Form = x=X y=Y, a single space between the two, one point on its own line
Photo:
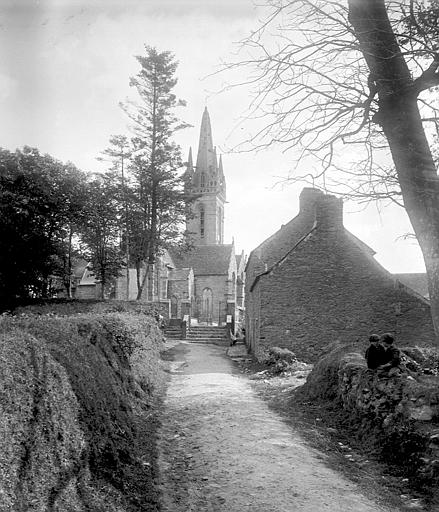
x=206 y=180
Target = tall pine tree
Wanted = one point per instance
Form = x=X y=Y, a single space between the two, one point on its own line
x=160 y=203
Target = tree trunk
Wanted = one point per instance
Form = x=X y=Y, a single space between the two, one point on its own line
x=103 y=282
x=419 y=185
x=138 y=280
x=141 y=283
x=69 y=264
x=400 y=120
x=127 y=232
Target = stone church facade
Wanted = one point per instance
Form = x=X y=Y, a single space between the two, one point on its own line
x=207 y=282
x=313 y=282
x=218 y=271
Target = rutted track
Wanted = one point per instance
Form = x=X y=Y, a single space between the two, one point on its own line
x=222 y=449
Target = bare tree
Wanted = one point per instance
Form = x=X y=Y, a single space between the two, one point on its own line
x=348 y=83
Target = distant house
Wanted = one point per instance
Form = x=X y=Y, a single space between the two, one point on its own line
x=313 y=282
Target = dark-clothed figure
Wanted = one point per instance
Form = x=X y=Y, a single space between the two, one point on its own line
x=375 y=353
x=392 y=356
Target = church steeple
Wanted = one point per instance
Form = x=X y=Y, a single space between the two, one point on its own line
x=189 y=174
x=206 y=160
x=207 y=182
x=190 y=164
x=207 y=178
x=221 y=178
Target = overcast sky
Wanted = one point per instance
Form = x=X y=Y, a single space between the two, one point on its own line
x=65 y=66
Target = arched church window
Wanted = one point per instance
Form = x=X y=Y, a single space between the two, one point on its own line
x=203 y=180
x=202 y=220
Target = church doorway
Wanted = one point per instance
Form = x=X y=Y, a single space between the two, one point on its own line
x=174 y=306
x=207 y=305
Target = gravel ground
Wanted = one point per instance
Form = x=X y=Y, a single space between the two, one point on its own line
x=222 y=449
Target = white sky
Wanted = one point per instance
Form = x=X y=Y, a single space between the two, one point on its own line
x=65 y=66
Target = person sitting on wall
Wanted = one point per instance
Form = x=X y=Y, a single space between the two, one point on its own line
x=375 y=353
x=392 y=355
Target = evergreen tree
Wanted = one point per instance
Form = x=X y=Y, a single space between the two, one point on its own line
x=158 y=212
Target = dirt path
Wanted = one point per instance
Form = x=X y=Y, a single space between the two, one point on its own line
x=222 y=449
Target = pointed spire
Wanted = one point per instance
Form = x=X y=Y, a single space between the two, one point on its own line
x=206 y=155
x=220 y=165
x=189 y=174
x=216 y=159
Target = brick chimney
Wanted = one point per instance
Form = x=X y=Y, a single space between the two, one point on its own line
x=308 y=199
x=329 y=213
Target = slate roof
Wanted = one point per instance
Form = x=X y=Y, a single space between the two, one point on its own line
x=179 y=274
x=78 y=268
x=88 y=278
x=206 y=259
x=277 y=245
x=416 y=281
x=167 y=258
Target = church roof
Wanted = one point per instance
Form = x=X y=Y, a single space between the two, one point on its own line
x=179 y=274
x=206 y=259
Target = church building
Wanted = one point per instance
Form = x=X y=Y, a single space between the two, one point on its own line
x=218 y=271
x=206 y=282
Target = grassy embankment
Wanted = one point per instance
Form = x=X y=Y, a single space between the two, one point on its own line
x=77 y=409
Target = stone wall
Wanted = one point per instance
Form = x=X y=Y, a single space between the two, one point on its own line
x=87 y=292
x=396 y=412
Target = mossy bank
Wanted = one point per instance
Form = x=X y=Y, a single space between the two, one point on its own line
x=77 y=412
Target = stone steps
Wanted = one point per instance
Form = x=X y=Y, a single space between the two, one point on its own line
x=199 y=334
x=207 y=334
x=173 y=333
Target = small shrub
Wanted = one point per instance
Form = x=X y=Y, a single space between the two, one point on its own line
x=280 y=360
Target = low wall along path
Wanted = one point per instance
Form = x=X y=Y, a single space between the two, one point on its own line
x=222 y=449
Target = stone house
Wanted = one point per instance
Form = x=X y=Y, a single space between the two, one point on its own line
x=313 y=282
